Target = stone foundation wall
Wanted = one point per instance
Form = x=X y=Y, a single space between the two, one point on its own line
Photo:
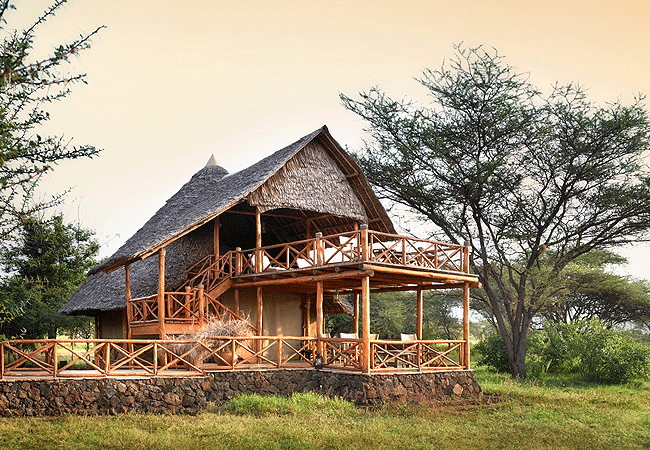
x=190 y=395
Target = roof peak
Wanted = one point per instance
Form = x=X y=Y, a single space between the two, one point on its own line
x=212 y=161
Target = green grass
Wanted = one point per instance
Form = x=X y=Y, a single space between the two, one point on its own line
x=547 y=413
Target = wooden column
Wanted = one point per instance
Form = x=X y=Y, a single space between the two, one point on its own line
x=365 y=327
x=355 y=328
x=420 y=308
x=258 y=240
x=259 y=324
x=319 y=318
x=466 y=324
x=161 y=293
x=236 y=300
x=129 y=305
x=306 y=315
x=365 y=254
x=200 y=295
x=215 y=239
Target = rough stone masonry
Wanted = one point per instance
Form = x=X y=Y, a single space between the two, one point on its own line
x=90 y=396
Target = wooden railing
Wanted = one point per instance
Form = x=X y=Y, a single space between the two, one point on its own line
x=354 y=246
x=416 y=355
x=150 y=358
x=190 y=307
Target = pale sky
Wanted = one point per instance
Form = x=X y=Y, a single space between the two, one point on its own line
x=172 y=82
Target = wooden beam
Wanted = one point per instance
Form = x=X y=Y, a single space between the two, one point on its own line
x=466 y=325
x=161 y=293
x=420 y=307
x=443 y=277
x=355 y=328
x=129 y=305
x=258 y=240
x=215 y=239
x=305 y=279
x=260 y=311
x=365 y=328
x=415 y=287
x=319 y=318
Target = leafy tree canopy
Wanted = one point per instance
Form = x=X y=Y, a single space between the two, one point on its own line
x=43 y=269
x=27 y=86
x=590 y=291
x=532 y=181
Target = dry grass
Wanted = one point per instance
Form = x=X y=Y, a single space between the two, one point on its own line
x=209 y=336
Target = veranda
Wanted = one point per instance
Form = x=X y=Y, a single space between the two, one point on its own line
x=357 y=263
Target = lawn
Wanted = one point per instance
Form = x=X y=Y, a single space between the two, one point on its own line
x=548 y=413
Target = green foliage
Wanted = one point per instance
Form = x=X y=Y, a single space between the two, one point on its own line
x=393 y=313
x=587 y=290
x=45 y=266
x=491 y=352
x=27 y=85
x=532 y=181
x=590 y=349
x=607 y=356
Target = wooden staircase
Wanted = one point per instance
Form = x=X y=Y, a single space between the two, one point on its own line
x=192 y=305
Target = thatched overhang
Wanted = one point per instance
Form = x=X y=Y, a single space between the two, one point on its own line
x=311 y=185
x=211 y=192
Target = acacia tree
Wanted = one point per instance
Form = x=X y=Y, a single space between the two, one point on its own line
x=590 y=291
x=531 y=181
x=27 y=86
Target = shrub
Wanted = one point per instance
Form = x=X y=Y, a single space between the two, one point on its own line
x=608 y=356
x=560 y=349
x=492 y=353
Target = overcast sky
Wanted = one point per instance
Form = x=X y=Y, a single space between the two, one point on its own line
x=172 y=82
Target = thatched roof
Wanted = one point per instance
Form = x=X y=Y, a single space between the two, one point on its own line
x=313 y=175
x=211 y=191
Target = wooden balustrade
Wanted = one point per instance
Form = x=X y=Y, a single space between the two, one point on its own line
x=349 y=247
x=149 y=358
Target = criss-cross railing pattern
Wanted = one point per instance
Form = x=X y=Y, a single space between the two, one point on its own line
x=416 y=355
x=149 y=358
x=349 y=247
x=144 y=309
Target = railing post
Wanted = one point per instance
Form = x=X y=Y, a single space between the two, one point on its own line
x=155 y=359
x=238 y=261
x=319 y=249
x=202 y=311
x=55 y=359
x=365 y=255
x=107 y=368
x=2 y=360
x=466 y=257
x=279 y=362
x=188 y=302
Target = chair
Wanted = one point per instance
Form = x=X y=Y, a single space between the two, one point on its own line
x=410 y=355
x=345 y=347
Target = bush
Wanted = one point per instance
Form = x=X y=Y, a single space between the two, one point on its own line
x=492 y=353
x=598 y=354
x=608 y=356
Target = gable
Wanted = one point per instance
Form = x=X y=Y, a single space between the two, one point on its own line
x=311 y=180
